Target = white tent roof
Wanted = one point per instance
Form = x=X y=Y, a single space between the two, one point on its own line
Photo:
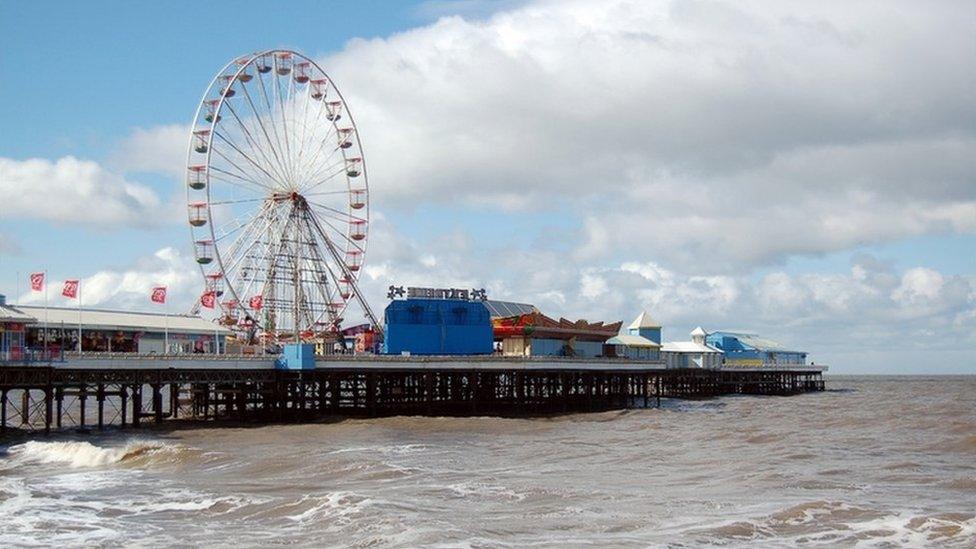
x=699 y=331
x=687 y=347
x=631 y=341
x=643 y=320
x=122 y=320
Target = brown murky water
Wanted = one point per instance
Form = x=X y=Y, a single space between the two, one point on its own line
x=874 y=461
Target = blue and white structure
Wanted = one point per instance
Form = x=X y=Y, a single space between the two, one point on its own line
x=645 y=326
x=641 y=340
x=748 y=349
x=692 y=354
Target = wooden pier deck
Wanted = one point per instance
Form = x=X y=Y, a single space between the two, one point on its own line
x=99 y=391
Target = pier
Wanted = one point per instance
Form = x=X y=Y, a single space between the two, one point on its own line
x=92 y=391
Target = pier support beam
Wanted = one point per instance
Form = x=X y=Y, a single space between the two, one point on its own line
x=157 y=403
x=100 y=397
x=295 y=396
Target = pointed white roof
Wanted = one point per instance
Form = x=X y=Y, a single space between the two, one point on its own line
x=698 y=332
x=631 y=341
x=643 y=320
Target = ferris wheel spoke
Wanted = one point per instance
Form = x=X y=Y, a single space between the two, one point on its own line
x=330 y=218
x=298 y=124
x=273 y=123
x=253 y=146
x=284 y=124
x=315 y=158
x=244 y=241
x=318 y=167
x=242 y=255
x=230 y=168
x=337 y=170
x=310 y=136
x=261 y=256
x=234 y=179
x=340 y=233
x=339 y=214
x=235 y=224
x=325 y=193
x=245 y=156
x=240 y=267
x=326 y=171
x=334 y=252
x=264 y=129
x=242 y=201
x=304 y=129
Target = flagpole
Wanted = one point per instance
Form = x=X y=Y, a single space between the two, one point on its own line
x=45 y=315
x=166 y=330
x=79 y=317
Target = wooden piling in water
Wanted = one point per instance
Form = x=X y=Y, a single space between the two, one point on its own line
x=268 y=395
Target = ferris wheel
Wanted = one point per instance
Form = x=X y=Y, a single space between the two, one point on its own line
x=277 y=198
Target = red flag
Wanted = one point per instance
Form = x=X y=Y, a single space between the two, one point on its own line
x=256 y=302
x=70 y=289
x=208 y=299
x=158 y=294
x=37 y=282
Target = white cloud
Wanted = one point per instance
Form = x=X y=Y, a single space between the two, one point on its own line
x=160 y=149
x=918 y=285
x=592 y=285
x=129 y=288
x=70 y=190
x=865 y=319
x=687 y=142
x=730 y=134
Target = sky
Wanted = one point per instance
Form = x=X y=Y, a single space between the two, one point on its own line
x=806 y=171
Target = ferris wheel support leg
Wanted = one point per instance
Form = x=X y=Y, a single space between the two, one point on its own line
x=345 y=271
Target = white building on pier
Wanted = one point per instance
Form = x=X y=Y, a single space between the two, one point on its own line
x=692 y=354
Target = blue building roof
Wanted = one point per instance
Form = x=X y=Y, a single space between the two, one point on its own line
x=750 y=340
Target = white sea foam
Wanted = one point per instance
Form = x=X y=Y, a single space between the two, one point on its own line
x=640 y=479
x=78 y=454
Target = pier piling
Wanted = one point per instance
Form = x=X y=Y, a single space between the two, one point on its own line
x=264 y=395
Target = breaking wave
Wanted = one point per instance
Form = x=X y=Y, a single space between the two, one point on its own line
x=888 y=465
x=827 y=522
x=82 y=454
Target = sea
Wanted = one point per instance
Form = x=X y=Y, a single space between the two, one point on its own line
x=871 y=462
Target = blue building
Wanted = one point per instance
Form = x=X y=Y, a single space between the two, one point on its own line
x=437 y=327
x=646 y=327
x=641 y=340
x=748 y=349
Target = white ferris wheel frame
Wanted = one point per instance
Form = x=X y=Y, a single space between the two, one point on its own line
x=338 y=255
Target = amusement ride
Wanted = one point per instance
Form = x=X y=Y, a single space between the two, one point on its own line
x=277 y=199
